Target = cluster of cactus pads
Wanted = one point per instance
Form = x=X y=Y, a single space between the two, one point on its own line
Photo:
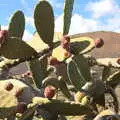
x=59 y=84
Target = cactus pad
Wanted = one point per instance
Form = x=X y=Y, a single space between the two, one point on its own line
x=77 y=45
x=17 y=25
x=67 y=15
x=38 y=69
x=8 y=103
x=83 y=66
x=64 y=108
x=75 y=75
x=44 y=21
x=14 y=48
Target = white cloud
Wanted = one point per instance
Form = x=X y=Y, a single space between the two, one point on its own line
x=59 y=23
x=4 y=27
x=29 y=20
x=27 y=36
x=102 y=8
x=78 y=24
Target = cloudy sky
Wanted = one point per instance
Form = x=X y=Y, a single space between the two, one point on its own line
x=88 y=15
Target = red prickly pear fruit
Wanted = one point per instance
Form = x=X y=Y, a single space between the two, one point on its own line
x=9 y=86
x=99 y=43
x=118 y=61
x=3 y=35
x=65 y=45
x=65 y=42
x=18 y=92
x=21 y=107
x=49 y=92
x=53 y=61
x=67 y=38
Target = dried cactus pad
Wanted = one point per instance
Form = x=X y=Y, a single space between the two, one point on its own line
x=38 y=44
x=26 y=94
x=8 y=103
x=84 y=44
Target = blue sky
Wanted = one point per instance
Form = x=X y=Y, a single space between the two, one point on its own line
x=88 y=15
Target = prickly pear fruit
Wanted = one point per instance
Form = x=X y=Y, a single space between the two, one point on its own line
x=53 y=61
x=21 y=107
x=49 y=92
x=3 y=36
x=99 y=43
x=65 y=42
x=67 y=54
x=118 y=60
x=9 y=86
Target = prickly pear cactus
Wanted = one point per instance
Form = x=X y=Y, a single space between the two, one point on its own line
x=62 y=82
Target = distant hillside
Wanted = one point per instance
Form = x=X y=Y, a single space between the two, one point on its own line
x=110 y=49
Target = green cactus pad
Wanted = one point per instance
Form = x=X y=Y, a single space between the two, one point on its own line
x=64 y=88
x=17 y=25
x=83 y=66
x=64 y=108
x=74 y=74
x=81 y=45
x=14 y=48
x=50 y=80
x=38 y=69
x=67 y=15
x=92 y=87
x=8 y=103
x=44 y=21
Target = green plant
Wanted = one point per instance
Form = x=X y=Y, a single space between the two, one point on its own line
x=62 y=64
